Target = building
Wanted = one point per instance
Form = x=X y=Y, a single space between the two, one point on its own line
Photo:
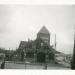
x=38 y=49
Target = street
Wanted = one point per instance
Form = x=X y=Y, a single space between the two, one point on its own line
x=12 y=65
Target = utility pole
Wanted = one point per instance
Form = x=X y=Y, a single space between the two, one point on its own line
x=55 y=41
x=73 y=59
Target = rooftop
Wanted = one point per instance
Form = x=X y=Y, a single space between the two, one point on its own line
x=44 y=30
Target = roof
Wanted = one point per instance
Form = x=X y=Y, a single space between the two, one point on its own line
x=44 y=30
x=22 y=43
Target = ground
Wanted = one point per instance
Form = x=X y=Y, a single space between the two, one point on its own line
x=12 y=65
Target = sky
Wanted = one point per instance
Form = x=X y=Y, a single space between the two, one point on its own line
x=20 y=22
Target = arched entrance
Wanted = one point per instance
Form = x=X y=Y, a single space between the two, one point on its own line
x=41 y=57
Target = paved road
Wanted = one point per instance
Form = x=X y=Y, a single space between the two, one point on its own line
x=23 y=66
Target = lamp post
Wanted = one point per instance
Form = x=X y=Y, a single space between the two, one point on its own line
x=25 y=60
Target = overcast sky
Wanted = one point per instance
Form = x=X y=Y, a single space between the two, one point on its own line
x=20 y=22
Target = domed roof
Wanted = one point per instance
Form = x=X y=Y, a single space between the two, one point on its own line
x=44 y=30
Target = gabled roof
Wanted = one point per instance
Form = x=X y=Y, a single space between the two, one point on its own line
x=44 y=30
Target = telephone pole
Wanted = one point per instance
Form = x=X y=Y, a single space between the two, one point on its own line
x=55 y=41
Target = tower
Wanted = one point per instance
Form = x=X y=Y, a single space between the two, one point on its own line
x=44 y=35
